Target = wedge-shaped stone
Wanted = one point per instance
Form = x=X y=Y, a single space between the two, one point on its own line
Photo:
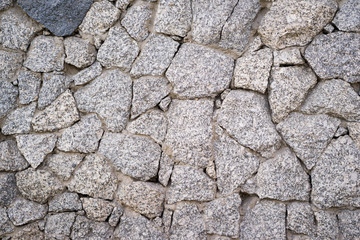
x=87 y=74
x=63 y=164
x=97 y=209
x=23 y=211
x=84 y=229
x=8 y=95
x=11 y=158
x=29 y=86
x=19 y=121
x=165 y=169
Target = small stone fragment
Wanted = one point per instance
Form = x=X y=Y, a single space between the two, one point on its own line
x=300 y=218
x=265 y=221
x=5 y=224
x=109 y=95
x=29 y=86
x=8 y=189
x=84 y=229
x=295 y=23
x=79 y=52
x=308 y=135
x=10 y=63
x=101 y=16
x=335 y=97
x=58 y=226
x=329 y=28
x=8 y=95
x=188 y=183
x=143 y=197
x=63 y=164
x=327 y=225
x=349 y=222
x=164 y=104
x=288 y=89
x=173 y=17
x=23 y=211
x=167 y=219
x=165 y=169
x=222 y=216
x=136 y=156
x=61 y=113
x=245 y=116
x=11 y=158
x=115 y=216
x=19 y=121
x=334 y=178
x=97 y=209
x=94 y=178
x=83 y=136
x=348 y=17
x=65 y=202
x=288 y=56
x=341 y=131
x=187 y=223
x=155 y=57
x=38 y=185
x=189 y=134
x=45 y=54
x=147 y=93
x=122 y=4
x=198 y=71
x=354 y=131
x=252 y=70
x=87 y=74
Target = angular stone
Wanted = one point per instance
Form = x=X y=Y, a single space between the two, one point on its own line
x=164 y=104
x=29 y=86
x=354 y=132
x=136 y=21
x=155 y=57
x=264 y=221
x=79 y=52
x=349 y=222
x=198 y=71
x=4 y=4
x=19 y=121
x=58 y=226
x=334 y=178
x=246 y=117
x=288 y=56
x=288 y=89
x=339 y=47
x=188 y=138
x=83 y=136
x=97 y=209
x=30 y=231
x=300 y=218
x=8 y=189
x=143 y=197
x=17 y=29
x=188 y=183
x=65 y=202
x=94 y=177
x=84 y=229
x=23 y=211
x=122 y=4
x=308 y=135
x=45 y=54
x=63 y=164
x=335 y=97
x=222 y=216
x=38 y=185
x=109 y=95
x=87 y=74
x=137 y=227
x=348 y=17
x=61 y=18
x=118 y=50
x=234 y=163
x=173 y=17
x=8 y=95
x=295 y=23
x=327 y=225
x=282 y=178
x=136 y=156
x=115 y=216
x=252 y=70
x=10 y=63
x=147 y=93
x=237 y=30
x=187 y=223
x=11 y=158
x=153 y=123
x=209 y=18
x=35 y=147
x=5 y=224
x=165 y=169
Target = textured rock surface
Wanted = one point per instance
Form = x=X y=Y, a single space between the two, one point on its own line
x=165 y=169
x=87 y=74
x=23 y=211
x=64 y=202
x=348 y=17
x=354 y=132
x=29 y=86
x=8 y=95
x=9 y=71
x=19 y=121
x=79 y=52
x=300 y=218
x=349 y=224
x=97 y=209
x=288 y=56
x=8 y=189
x=58 y=226
x=5 y=224
x=63 y=164
x=327 y=225
x=10 y=157
x=84 y=228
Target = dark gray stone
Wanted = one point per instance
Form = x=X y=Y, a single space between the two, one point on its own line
x=8 y=189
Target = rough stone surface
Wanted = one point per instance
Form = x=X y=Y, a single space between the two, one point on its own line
x=334 y=97
x=198 y=71
x=115 y=216
x=84 y=229
x=87 y=74
x=147 y=93
x=155 y=57
x=348 y=17
x=165 y=169
x=5 y=224
x=109 y=95
x=122 y=4
x=354 y=132
x=58 y=226
x=334 y=178
x=8 y=95
x=338 y=47
x=349 y=222
x=288 y=89
x=252 y=70
x=136 y=156
x=327 y=225
x=300 y=218
x=288 y=56
x=65 y=202
x=19 y=121
x=165 y=103
x=295 y=23
x=4 y=4
x=297 y=128
x=8 y=189
x=30 y=231
x=246 y=117
x=97 y=209
x=10 y=157
x=23 y=211
x=188 y=183
x=94 y=177
x=61 y=18
x=83 y=136
x=9 y=71
x=63 y=164
x=188 y=138
x=79 y=52
x=29 y=86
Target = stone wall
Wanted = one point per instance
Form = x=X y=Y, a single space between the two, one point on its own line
x=180 y=119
